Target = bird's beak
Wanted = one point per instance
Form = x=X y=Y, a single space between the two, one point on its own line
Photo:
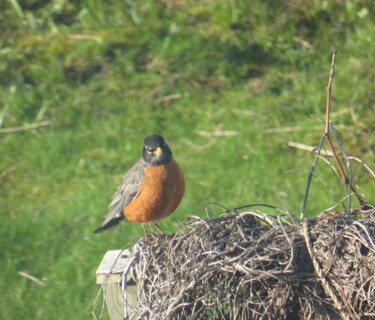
x=158 y=151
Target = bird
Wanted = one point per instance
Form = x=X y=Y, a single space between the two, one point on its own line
x=151 y=190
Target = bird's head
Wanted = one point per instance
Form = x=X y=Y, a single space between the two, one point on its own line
x=156 y=152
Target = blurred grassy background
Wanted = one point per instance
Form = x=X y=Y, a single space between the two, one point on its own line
x=213 y=77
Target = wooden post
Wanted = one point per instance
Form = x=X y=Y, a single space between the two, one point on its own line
x=108 y=274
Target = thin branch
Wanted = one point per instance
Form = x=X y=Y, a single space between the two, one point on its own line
x=326 y=135
x=30 y=277
x=7 y=171
x=328 y=126
x=328 y=111
x=367 y=167
x=349 y=180
x=307 y=148
x=329 y=89
x=217 y=133
x=305 y=128
x=310 y=176
x=85 y=37
x=26 y=127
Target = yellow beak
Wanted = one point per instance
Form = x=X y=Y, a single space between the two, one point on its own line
x=158 y=151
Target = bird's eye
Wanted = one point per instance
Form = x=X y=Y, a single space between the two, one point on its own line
x=149 y=150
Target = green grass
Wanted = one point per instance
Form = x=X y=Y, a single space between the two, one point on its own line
x=105 y=74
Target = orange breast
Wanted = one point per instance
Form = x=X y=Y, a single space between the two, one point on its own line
x=160 y=193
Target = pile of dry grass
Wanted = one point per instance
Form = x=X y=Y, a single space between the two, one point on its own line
x=256 y=266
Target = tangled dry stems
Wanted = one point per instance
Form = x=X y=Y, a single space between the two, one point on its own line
x=254 y=266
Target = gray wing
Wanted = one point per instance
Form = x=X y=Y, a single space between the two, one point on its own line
x=126 y=192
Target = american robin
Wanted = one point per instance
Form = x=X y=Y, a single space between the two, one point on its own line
x=151 y=190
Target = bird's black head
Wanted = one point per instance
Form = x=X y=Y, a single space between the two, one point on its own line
x=155 y=151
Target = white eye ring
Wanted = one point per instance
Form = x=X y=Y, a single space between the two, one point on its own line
x=148 y=149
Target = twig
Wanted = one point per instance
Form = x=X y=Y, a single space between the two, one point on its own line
x=310 y=177
x=328 y=110
x=307 y=148
x=329 y=89
x=349 y=180
x=292 y=129
x=323 y=279
x=30 y=277
x=248 y=113
x=217 y=133
x=202 y=147
x=7 y=171
x=328 y=126
x=95 y=304
x=26 y=127
x=367 y=167
x=85 y=37
x=326 y=135
x=302 y=42
x=123 y=284
x=170 y=97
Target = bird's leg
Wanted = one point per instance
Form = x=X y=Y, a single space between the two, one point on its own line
x=144 y=229
x=159 y=229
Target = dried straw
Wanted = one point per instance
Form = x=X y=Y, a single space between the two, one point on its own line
x=255 y=266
